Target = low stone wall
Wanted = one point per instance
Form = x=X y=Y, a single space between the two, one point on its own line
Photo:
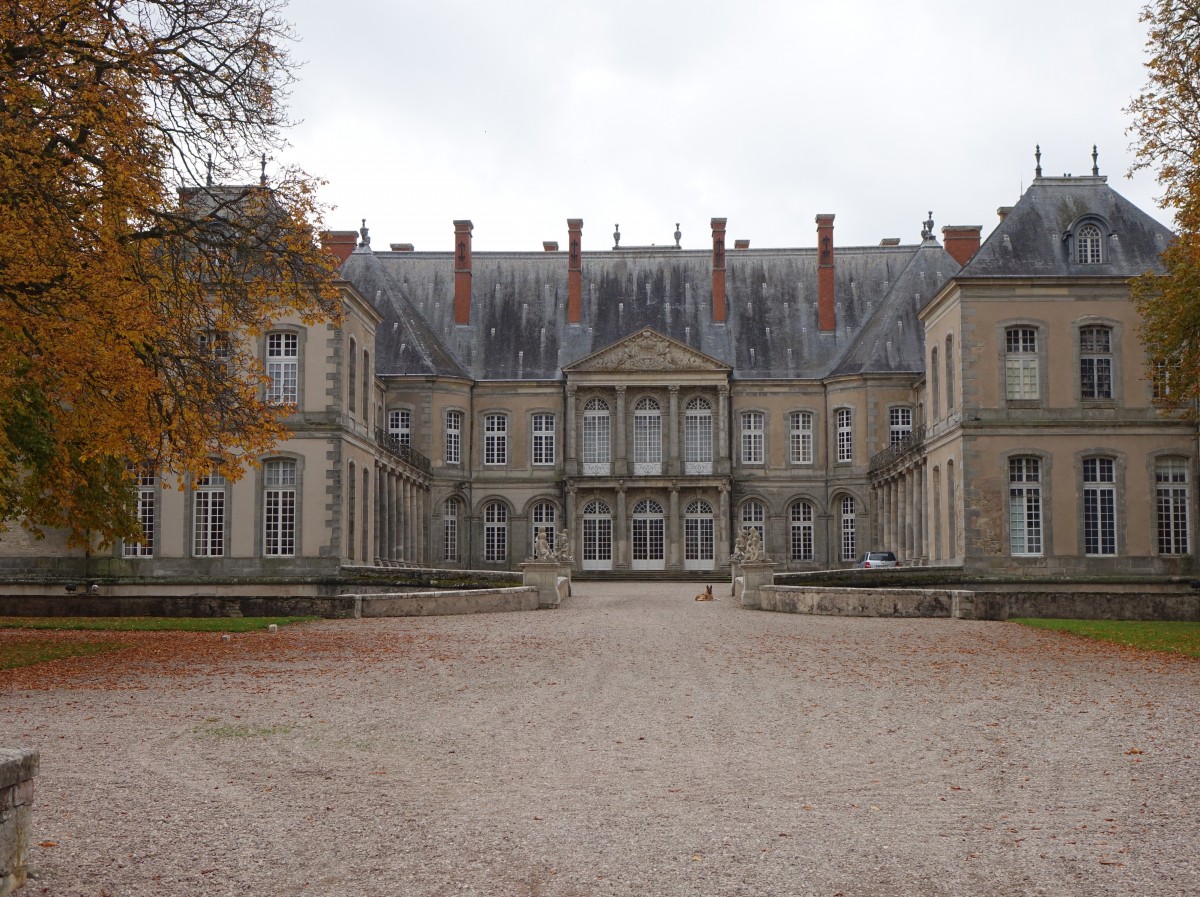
x=1087 y=605
x=877 y=602
x=159 y=605
x=427 y=604
x=17 y=771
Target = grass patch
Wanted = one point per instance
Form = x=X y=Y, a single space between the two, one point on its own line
x=26 y=654
x=1151 y=635
x=151 y=624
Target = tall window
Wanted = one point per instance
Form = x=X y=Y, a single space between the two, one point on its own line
x=543 y=518
x=597 y=535
x=543 y=439
x=351 y=511
x=352 y=376
x=754 y=514
x=934 y=373
x=800 y=441
x=1099 y=507
x=279 y=508
x=949 y=372
x=597 y=427
x=366 y=514
x=1088 y=245
x=1172 y=500
x=147 y=517
x=450 y=512
x=495 y=439
x=495 y=532
x=366 y=387
x=845 y=435
x=752 y=437
x=400 y=427
x=849 y=534
x=802 y=531
x=208 y=516
x=899 y=424
x=454 y=421
x=283 y=365
x=647 y=432
x=1095 y=362
x=697 y=431
x=1021 y=363
x=1024 y=507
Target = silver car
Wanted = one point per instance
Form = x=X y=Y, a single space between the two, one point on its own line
x=872 y=559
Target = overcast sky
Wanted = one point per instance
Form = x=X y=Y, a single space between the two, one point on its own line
x=519 y=114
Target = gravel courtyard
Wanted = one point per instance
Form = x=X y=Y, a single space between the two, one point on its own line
x=632 y=742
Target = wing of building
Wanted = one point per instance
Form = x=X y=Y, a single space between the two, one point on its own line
x=981 y=406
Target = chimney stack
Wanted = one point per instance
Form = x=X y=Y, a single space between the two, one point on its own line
x=718 y=266
x=462 y=271
x=574 y=270
x=339 y=243
x=826 y=308
x=961 y=241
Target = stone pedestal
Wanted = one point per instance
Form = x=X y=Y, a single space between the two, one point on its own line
x=754 y=575
x=17 y=771
x=543 y=576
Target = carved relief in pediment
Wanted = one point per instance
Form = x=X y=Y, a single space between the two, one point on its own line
x=648 y=351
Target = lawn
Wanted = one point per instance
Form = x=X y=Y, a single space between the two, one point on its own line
x=1168 y=637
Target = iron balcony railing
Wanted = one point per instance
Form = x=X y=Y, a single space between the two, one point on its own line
x=402 y=450
x=899 y=449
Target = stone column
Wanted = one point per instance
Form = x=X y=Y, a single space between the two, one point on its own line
x=902 y=516
x=722 y=429
x=674 y=530
x=724 y=547
x=380 y=513
x=621 y=531
x=574 y=524
x=621 y=467
x=673 y=467
x=571 y=429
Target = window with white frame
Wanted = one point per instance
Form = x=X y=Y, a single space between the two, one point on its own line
x=949 y=372
x=1021 y=364
x=899 y=424
x=543 y=439
x=352 y=376
x=366 y=514
x=1095 y=362
x=366 y=387
x=800 y=441
x=279 y=508
x=208 y=516
x=283 y=367
x=1161 y=380
x=1172 y=500
x=399 y=427
x=697 y=431
x=450 y=513
x=753 y=451
x=495 y=532
x=454 y=422
x=1099 y=507
x=597 y=432
x=802 y=533
x=848 y=530
x=145 y=488
x=934 y=382
x=754 y=514
x=495 y=439
x=647 y=431
x=1088 y=245
x=351 y=510
x=543 y=518
x=1025 y=507
x=845 y=435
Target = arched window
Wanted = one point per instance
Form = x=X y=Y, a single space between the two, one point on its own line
x=697 y=432
x=648 y=535
x=450 y=514
x=495 y=532
x=849 y=536
x=1088 y=245
x=647 y=433
x=698 y=536
x=543 y=517
x=802 y=541
x=597 y=432
x=597 y=536
x=754 y=514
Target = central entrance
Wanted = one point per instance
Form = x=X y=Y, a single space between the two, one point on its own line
x=648 y=536
x=698 y=541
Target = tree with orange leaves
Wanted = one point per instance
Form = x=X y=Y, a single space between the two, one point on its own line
x=128 y=282
x=1166 y=127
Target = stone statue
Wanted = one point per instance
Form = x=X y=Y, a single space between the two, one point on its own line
x=541 y=548
x=754 y=547
x=739 y=549
x=563 y=552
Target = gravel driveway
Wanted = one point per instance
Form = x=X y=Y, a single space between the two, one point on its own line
x=632 y=742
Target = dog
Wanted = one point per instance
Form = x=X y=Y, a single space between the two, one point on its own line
x=706 y=595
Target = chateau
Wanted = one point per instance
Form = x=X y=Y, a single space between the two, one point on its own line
x=980 y=406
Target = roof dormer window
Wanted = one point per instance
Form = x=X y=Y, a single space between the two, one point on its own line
x=1088 y=245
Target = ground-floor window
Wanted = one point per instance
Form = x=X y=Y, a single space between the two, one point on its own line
x=649 y=543
x=1024 y=506
x=849 y=536
x=802 y=532
x=597 y=536
x=495 y=533
x=1099 y=507
x=450 y=511
x=1172 y=500
x=699 y=545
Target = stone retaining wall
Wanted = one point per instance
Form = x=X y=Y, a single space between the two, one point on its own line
x=866 y=602
x=17 y=771
x=425 y=604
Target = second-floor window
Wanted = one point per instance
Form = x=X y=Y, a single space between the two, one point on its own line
x=454 y=420
x=283 y=368
x=753 y=437
x=647 y=432
x=543 y=439
x=899 y=424
x=1021 y=363
x=845 y=435
x=697 y=431
x=800 y=442
x=1095 y=362
x=597 y=441
x=400 y=426
x=495 y=439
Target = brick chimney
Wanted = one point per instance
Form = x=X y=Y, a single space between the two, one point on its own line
x=574 y=270
x=462 y=271
x=718 y=266
x=339 y=243
x=826 y=309
x=961 y=241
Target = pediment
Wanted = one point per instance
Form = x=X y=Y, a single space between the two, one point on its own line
x=647 y=350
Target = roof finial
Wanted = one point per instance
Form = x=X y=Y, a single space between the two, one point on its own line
x=616 y=236
x=927 y=228
x=678 y=234
x=364 y=234
x=262 y=178
x=1037 y=154
x=1095 y=162
x=208 y=179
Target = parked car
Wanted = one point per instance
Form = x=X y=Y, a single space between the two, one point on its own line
x=873 y=559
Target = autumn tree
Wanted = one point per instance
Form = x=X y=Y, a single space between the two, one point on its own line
x=130 y=286
x=1166 y=131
